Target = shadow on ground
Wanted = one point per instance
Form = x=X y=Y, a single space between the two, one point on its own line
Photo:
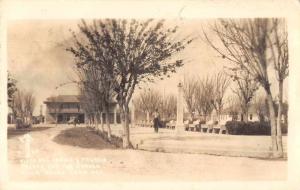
x=12 y=132
x=82 y=137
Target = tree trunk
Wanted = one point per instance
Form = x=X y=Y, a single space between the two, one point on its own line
x=102 y=122
x=279 y=135
x=108 y=124
x=96 y=120
x=273 y=123
x=192 y=116
x=147 y=117
x=246 y=115
x=125 y=123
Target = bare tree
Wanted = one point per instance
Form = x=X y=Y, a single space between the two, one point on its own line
x=221 y=84
x=29 y=105
x=88 y=105
x=261 y=107
x=130 y=51
x=148 y=101
x=24 y=104
x=245 y=90
x=279 y=48
x=169 y=106
x=246 y=45
x=204 y=92
x=233 y=107
x=189 y=94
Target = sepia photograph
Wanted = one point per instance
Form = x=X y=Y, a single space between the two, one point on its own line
x=152 y=99
x=129 y=99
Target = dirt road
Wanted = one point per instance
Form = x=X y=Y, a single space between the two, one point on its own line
x=84 y=160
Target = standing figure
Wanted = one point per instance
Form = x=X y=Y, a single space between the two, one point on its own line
x=156 y=121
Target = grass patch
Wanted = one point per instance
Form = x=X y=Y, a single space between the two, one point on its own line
x=82 y=137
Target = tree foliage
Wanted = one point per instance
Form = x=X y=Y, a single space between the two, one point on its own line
x=11 y=89
x=128 y=51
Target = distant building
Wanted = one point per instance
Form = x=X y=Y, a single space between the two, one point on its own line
x=64 y=108
x=228 y=114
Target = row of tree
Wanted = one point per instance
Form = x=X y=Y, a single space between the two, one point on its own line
x=256 y=47
x=128 y=52
x=21 y=103
x=113 y=56
x=149 y=101
x=202 y=95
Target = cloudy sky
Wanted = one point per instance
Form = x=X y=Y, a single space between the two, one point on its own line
x=37 y=58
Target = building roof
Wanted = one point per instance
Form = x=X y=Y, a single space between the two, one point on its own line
x=63 y=99
x=67 y=99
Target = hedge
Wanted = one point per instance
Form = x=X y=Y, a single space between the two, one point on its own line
x=251 y=128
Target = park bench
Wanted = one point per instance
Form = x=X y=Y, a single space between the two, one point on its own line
x=150 y=124
x=144 y=124
x=171 y=124
x=195 y=125
x=140 y=124
x=208 y=127
x=186 y=124
x=220 y=128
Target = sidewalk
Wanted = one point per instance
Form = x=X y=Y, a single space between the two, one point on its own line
x=168 y=140
x=138 y=165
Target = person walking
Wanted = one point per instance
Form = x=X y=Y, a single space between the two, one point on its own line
x=156 y=121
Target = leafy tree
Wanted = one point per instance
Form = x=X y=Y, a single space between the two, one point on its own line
x=11 y=89
x=129 y=51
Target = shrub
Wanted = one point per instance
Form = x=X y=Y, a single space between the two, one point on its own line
x=251 y=128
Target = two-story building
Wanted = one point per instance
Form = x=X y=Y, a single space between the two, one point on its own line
x=60 y=109
x=64 y=108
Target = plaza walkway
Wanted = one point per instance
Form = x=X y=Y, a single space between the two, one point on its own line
x=168 y=140
x=53 y=160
